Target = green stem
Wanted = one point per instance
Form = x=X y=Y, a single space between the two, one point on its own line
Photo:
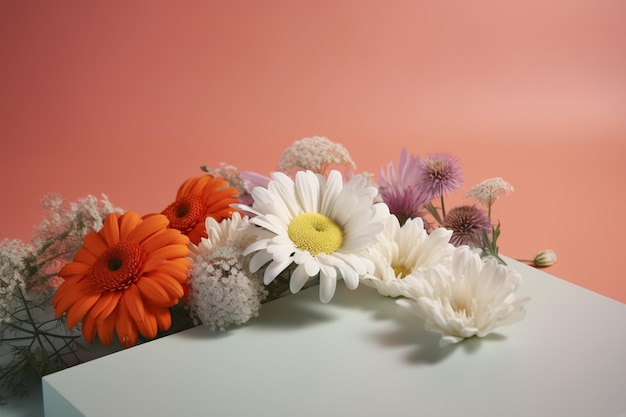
x=27 y=309
x=11 y=369
x=37 y=331
x=443 y=207
x=41 y=337
x=15 y=339
x=430 y=208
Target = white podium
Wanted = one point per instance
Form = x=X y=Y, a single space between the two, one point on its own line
x=362 y=355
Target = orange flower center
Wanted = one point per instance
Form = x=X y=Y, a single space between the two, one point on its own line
x=118 y=267
x=185 y=213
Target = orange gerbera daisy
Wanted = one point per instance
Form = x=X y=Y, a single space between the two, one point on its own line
x=197 y=199
x=124 y=279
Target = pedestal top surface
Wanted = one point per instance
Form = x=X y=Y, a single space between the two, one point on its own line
x=363 y=355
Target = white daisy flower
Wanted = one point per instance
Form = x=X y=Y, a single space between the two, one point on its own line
x=469 y=298
x=321 y=225
x=404 y=252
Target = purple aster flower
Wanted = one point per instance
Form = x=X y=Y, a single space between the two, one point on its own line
x=399 y=189
x=439 y=174
x=467 y=224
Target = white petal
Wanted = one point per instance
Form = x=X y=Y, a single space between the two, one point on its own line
x=256 y=246
x=244 y=208
x=262 y=200
x=328 y=283
x=258 y=260
x=280 y=252
x=409 y=305
x=331 y=193
x=299 y=277
x=447 y=340
x=350 y=277
x=312 y=267
x=307 y=193
x=270 y=222
x=360 y=264
x=273 y=269
x=302 y=256
x=282 y=189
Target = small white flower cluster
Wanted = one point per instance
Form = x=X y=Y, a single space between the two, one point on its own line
x=222 y=291
x=12 y=272
x=59 y=236
x=315 y=154
x=61 y=232
x=488 y=191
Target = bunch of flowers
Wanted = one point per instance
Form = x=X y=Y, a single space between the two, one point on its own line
x=231 y=241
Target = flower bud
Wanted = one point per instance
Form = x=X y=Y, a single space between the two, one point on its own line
x=545 y=258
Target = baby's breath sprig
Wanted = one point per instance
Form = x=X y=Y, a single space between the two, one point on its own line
x=33 y=342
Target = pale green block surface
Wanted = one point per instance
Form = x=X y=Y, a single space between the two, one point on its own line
x=363 y=355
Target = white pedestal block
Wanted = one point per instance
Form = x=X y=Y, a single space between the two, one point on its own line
x=362 y=355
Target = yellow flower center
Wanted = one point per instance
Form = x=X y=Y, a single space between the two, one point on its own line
x=315 y=233
x=118 y=267
x=401 y=271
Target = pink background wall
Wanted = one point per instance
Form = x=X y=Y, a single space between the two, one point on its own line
x=130 y=98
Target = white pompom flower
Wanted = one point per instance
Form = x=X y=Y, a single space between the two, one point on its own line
x=222 y=291
x=469 y=298
x=315 y=154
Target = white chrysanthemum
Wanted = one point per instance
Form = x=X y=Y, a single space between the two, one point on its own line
x=233 y=231
x=321 y=225
x=469 y=298
x=404 y=252
x=222 y=291
x=488 y=191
